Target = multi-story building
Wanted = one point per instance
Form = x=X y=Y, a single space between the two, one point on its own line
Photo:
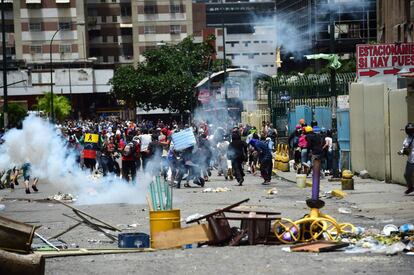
x=36 y=23
x=159 y=22
x=91 y=37
x=354 y=23
x=109 y=24
x=9 y=31
x=249 y=32
x=395 y=21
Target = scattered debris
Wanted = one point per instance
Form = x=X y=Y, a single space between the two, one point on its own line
x=389 y=229
x=318 y=246
x=192 y=217
x=338 y=193
x=272 y=191
x=344 y=210
x=364 y=174
x=216 y=190
x=86 y=219
x=62 y=197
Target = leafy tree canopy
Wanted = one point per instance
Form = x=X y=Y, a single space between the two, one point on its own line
x=167 y=77
x=60 y=103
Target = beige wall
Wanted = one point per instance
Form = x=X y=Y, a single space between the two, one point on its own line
x=357 y=128
x=398 y=119
x=377 y=116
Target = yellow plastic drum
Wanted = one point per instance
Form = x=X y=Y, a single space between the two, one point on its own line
x=164 y=220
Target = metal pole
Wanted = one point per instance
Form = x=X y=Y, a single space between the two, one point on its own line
x=224 y=51
x=70 y=91
x=3 y=44
x=335 y=146
x=52 y=110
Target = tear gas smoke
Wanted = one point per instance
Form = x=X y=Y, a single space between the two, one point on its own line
x=39 y=144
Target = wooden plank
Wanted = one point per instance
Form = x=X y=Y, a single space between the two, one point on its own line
x=94 y=251
x=12 y=263
x=318 y=246
x=219 y=211
x=182 y=236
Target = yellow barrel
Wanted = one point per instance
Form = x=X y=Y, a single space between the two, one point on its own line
x=163 y=220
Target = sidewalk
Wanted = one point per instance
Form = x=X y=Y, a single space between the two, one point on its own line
x=372 y=201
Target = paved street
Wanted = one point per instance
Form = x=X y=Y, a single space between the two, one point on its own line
x=372 y=203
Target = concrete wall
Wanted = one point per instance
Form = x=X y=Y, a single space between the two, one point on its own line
x=357 y=126
x=398 y=119
x=377 y=116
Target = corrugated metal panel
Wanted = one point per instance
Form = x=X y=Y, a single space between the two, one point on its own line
x=305 y=112
x=323 y=116
x=344 y=138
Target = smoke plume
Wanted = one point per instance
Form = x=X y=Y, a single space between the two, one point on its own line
x=40 y=144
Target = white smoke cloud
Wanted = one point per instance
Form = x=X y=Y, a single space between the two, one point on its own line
x=39 y=144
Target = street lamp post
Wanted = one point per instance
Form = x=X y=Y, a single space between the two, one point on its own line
x=52 y=110
x=90 y=59
x=224 y=52
x=335 y=144
x=3 y=43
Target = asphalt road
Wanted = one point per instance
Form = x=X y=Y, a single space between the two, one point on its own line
x=373 y=204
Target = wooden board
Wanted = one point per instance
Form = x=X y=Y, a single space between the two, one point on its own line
x=90 y=251
x=182 y=236
x=318 y=246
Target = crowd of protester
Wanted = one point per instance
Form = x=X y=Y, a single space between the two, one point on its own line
x=114 y=147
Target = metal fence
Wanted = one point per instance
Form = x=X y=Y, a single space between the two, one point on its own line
x=289 y=91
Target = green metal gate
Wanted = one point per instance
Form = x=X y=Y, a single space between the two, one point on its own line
x=289 y=91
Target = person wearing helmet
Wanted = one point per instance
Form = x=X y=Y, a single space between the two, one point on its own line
x=408 y=150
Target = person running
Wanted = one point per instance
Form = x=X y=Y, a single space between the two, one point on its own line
x=237 y=154
x=26 y=168
x=408 y=150
x=265 y=159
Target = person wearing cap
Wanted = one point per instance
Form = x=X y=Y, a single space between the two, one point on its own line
x=314 y=145
x=265 y=159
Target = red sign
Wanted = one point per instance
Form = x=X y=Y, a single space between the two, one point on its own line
x=384 y=60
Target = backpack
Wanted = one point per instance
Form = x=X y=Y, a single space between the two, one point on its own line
x=128 y=149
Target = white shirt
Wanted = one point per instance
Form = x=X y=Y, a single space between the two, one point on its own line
x=145 y=141
x=409 y=141
x=328 y=140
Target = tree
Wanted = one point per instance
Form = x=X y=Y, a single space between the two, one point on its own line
x=60 y=104
x=167 y=77
x=16 y=114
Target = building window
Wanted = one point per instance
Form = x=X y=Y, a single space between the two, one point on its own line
x=35 y=49
x=64 y=26
x=114 y=18
x=104 y=40
x=412 y=11
x=115 y=38
x=125 y=10
x=174 y=8
x=149 y=29
x=175 y=29
x=150 y=9
x=103 y=19
x=65 y=48
x=35 y=27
